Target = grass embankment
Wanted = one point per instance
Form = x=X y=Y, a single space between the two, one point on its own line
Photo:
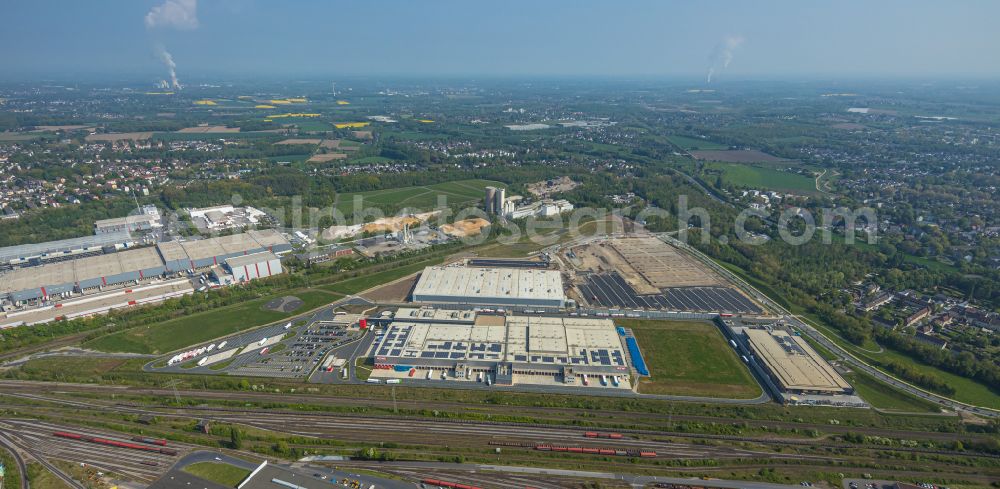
x=41 y=478
x=177 y=333
x=220 y=473
x=883 y=396
x=690 y=358
x=365 y=282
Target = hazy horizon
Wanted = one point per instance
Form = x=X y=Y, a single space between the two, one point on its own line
x=771 y=40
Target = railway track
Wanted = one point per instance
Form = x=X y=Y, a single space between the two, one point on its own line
x=30 y=450
x=21 y=386
x=136 y=465
x=289 y=421
x=21 y=466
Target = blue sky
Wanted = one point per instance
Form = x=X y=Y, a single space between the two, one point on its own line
x=298 y=38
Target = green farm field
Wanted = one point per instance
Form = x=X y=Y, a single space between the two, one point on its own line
x=460 y=192
x=741 y=174
x=689 y=144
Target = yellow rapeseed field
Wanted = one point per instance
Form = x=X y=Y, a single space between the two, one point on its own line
x=345 y=125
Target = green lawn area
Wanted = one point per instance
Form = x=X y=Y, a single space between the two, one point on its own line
x=742 y=174
x=225 y=474
x=690 y=358
x=694 y=144
x=883 y=396
x=180 y=332
x=422 y=197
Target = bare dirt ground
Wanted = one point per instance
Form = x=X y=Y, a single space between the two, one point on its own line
x=543 y=189
x=394 y=223
x=662 y=265
x=646 y=263
x=467 y=227
x=323 y=158
x=601 y=257
x=330 y=143
x=737 y=156
x=395 y=292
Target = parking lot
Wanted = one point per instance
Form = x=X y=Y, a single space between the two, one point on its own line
x=286 y=350
x=611 y=290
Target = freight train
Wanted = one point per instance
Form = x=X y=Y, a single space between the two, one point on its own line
x=450 y=485
x=620 y=452
x=595 y=434
x=598 y=451
x=114 y=443
x=151 y=441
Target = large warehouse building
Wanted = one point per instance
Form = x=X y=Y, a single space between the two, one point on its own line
x=183 y=255
x=90 y=272
x=490 y=286
x=111 y=268
x=514 y=349
x=257 y=265
x=793 y=365
x=65 y=249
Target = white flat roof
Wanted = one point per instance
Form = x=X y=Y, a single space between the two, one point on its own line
x=485 y=283
x=571 y=342
x=239 y=261
x=796 y=365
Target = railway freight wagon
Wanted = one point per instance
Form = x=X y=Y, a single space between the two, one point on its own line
x=598 y=451
x=113 y=443
x=450 y=485
x=151 y=441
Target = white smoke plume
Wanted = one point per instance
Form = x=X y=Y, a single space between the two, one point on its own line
x=179 y=14
x=168 y=60
x=723 y=53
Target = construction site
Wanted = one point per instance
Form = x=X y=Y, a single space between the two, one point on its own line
x=645 y=272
